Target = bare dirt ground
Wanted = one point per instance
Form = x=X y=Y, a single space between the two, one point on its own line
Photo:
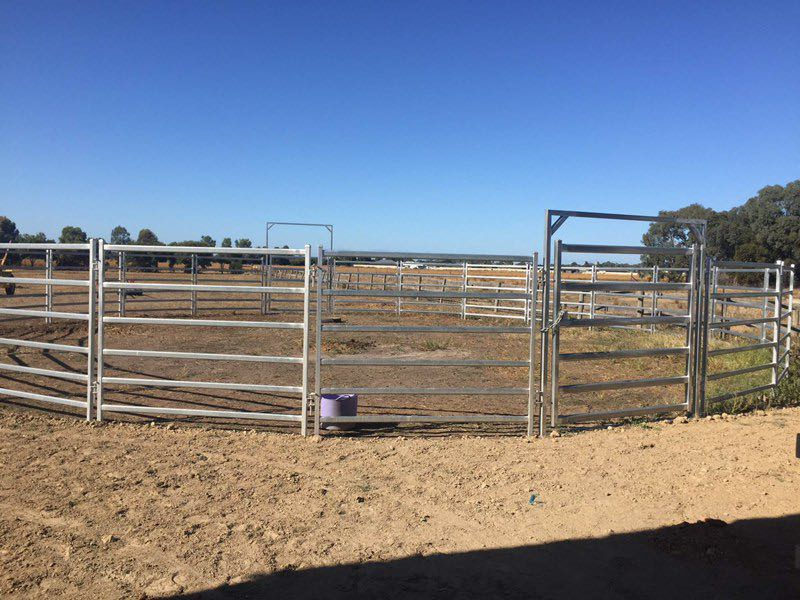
x=704 y=509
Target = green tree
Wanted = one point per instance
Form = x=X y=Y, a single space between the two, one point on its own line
x=120 y=235
x=244 y=243
x=8 y=230
x=146 y=261
x=31 y=238
x=72 y=235
x=226 y=243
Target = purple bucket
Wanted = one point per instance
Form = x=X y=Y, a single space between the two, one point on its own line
x=339 y=405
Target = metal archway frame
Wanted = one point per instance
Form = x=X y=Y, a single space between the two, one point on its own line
x=271 y=224
x=697 y=226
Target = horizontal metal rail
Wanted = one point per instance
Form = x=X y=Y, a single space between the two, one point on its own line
x=743 y=371
x=44 y=313
x=43 y=398
x=202 y=356
x=738 y=322
x=211 y=385
x=37 y=281
x=423 y=329
x=193 y=412
x=82 y=377
x=620 y=286
x=595 y=249
x=624 y=217
x=425 y=294
x=632 y=353
x=724 y=295
x=735 y=349
x=729 y=264
x=44 y=345
x=167 y=250
x=51 y=246
x=409 y=391
x=419 y=362
x=740 y=393
x=426 y=256
x=202 y=322
x=383 y=418
x=622 y=412
x=621 y=321
x=622 y=384
x=188 y=287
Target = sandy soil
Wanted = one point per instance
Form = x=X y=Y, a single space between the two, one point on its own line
x=703 y=509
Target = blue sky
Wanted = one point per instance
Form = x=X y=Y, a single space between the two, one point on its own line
x=428 y=126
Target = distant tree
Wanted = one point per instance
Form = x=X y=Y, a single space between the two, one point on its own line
x=207 y=240
x=766 y=228
x=8 y=230
x=34 y=238
x=203 y=260
x=31 y=238
x=146 y=261
x=148 y=238
x=120 y=235
x=226 y=243
x=9 y=234
x=72 y=235
x=244 y=243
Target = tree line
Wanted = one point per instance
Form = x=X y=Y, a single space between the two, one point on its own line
x=120 y=235
x=764 y=229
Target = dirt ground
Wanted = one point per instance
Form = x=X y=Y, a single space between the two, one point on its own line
x=700 y=509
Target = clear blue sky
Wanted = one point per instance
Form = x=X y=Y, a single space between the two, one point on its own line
x=409 y=125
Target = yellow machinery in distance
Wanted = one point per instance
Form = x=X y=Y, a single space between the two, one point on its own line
x=9 y=287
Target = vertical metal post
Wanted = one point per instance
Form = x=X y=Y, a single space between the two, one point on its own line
x=533 y=393
x=101 y=311
x=592 y=295
x=765 y=307
x=399 y=283
x=194 y=283
x=776 y=329
x=263 y=280
x=526 y=309
x=556 y=336
x=654 y=300
x=92 y=324
x=714 y=289
x=464 y=276
x=306 y=297
x=269 y=282
x=122 y=276
x=691 y=337
x=331 y=281
x=789 y=318
x=318 y=345
x=703 y=325
x=545 y=320
x=698 y=325
x=48 y=289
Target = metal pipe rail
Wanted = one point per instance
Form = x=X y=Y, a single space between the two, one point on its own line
x=458 y=291
x=720 y=296
x=83 y=252
x=193 y=288
x=635 y=290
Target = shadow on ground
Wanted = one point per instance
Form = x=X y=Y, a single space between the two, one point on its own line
x=709 y=559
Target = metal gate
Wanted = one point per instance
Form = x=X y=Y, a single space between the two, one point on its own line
x=373 y=297
x=179 y=290
x=53 y=288
x=556 y=318
x=759 y=317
